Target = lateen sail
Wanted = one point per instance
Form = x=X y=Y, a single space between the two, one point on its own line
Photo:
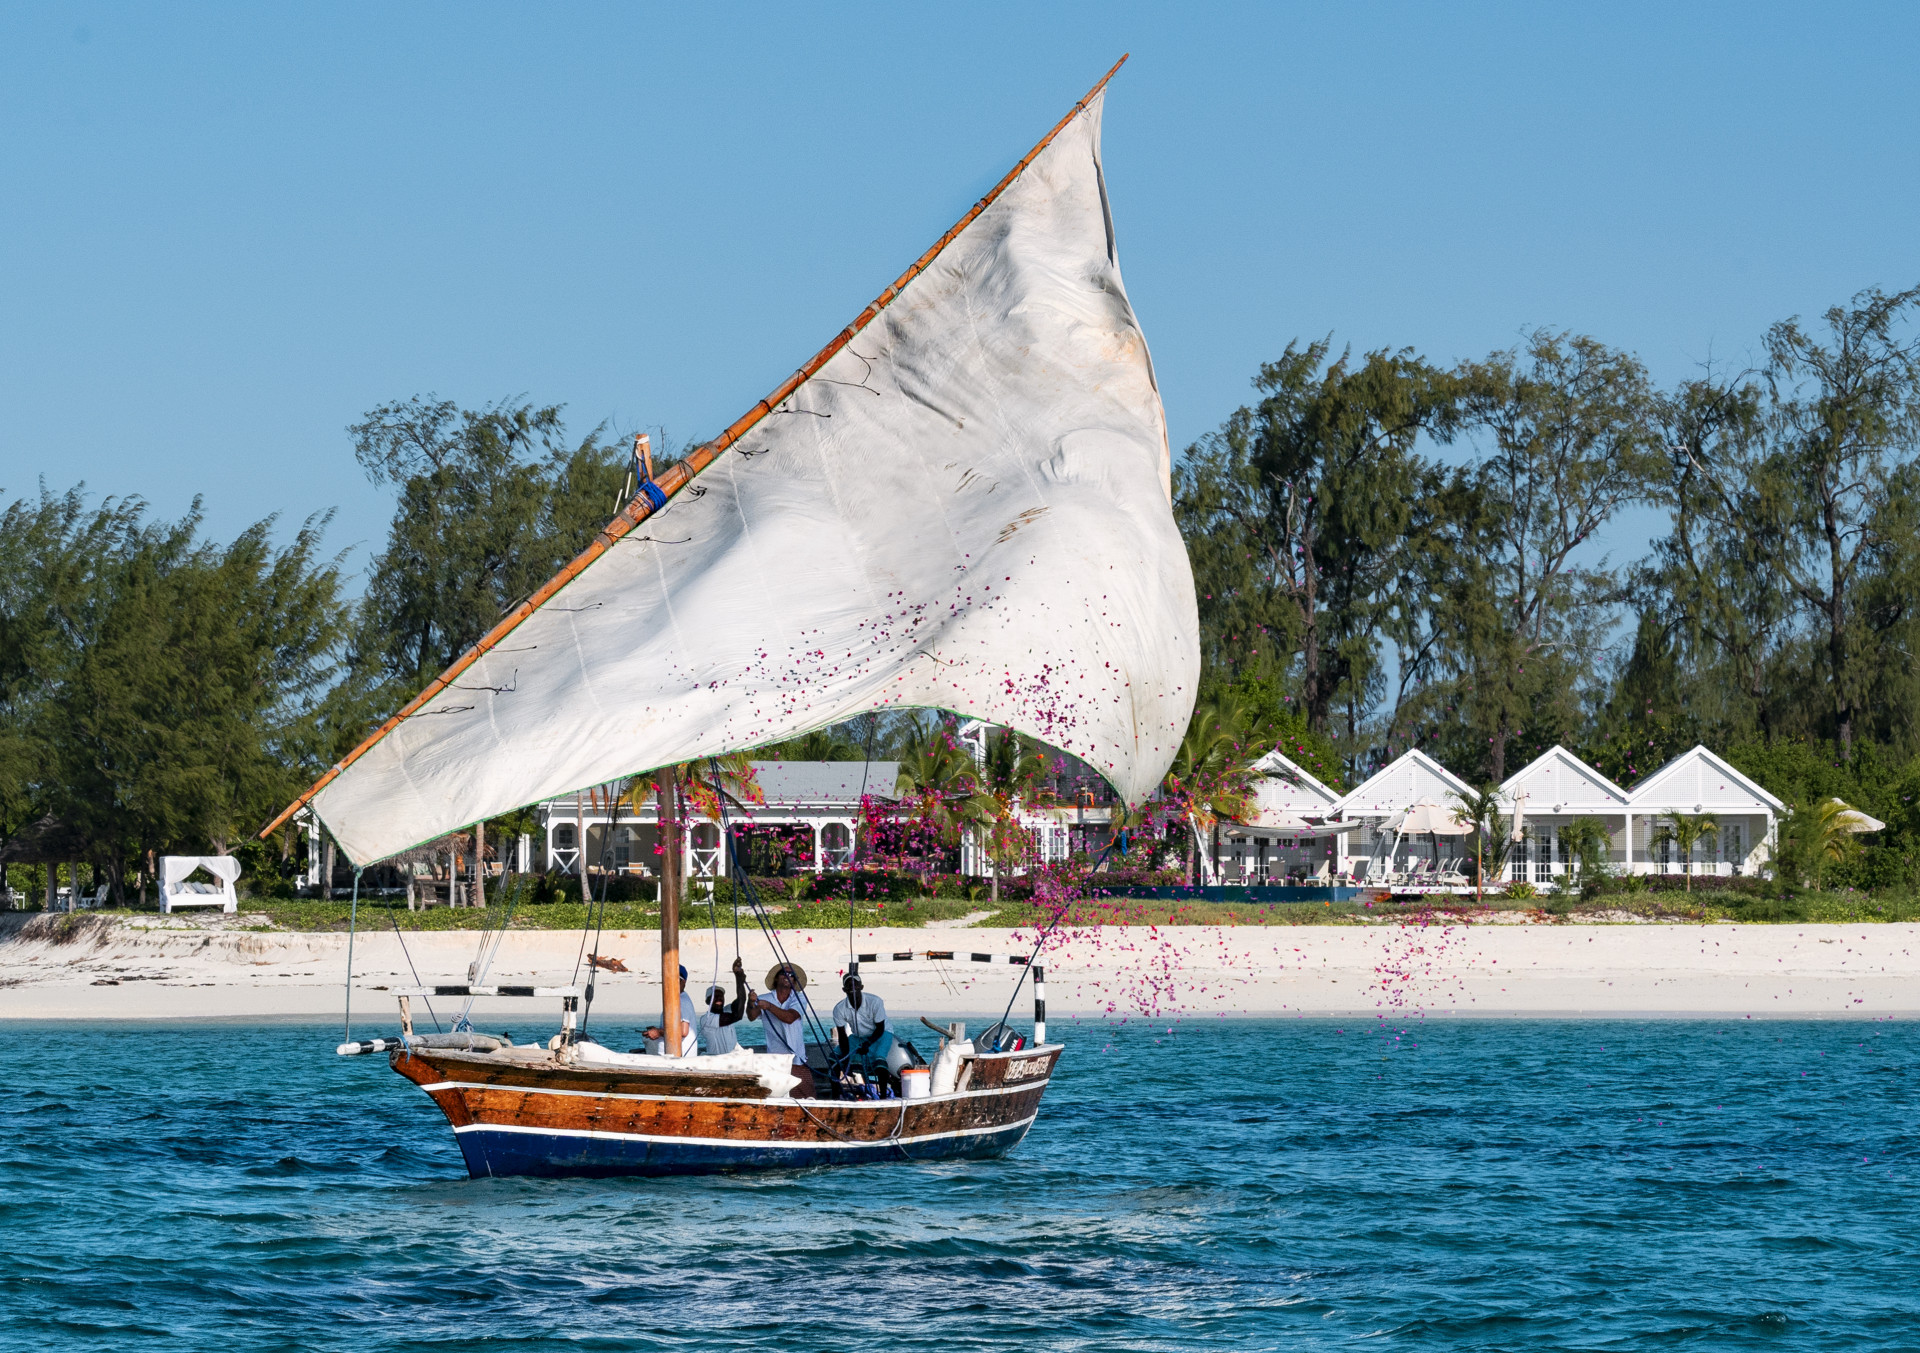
x=966 y=507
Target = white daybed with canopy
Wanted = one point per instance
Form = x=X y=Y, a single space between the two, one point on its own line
x=179 y=889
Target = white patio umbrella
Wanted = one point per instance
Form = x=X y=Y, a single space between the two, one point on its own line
x=1427 y=818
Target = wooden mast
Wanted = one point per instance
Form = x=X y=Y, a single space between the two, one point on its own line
x=677 y=476
x=669 y=822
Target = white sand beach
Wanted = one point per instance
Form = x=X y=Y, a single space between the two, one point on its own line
x=175 y=968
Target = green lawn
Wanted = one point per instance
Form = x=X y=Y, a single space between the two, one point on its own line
x=1665 y=905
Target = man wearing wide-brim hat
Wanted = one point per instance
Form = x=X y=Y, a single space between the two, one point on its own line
x=782 y=1012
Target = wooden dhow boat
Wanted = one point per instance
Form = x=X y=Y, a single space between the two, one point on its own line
x=542 y=1111
x=962 y=502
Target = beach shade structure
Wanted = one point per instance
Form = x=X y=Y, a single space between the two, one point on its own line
x=1423 y=818
x=1275 y=821
x=1427 y=818
x=1851 y=819
x=179 y=889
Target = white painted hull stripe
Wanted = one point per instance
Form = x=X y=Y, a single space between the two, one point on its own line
x=888 y=1105
x=906 y=1139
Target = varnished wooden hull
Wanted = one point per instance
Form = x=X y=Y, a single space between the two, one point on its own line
x=544 y=1119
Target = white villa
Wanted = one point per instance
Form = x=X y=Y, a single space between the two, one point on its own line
x=1288 y=836
x=1304 y=830
x=1691 y=784
x=814 y=806
x=1559 y=787
x=1375 y=806
x=1556 y=789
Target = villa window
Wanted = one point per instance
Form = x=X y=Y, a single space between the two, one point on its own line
x=623 y=847
x=836 y=845
x=564 y=836
x=1543 y=857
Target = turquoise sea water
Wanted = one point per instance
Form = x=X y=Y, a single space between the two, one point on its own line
x=1227 y=1185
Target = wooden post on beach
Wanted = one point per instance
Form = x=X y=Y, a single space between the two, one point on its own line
x=480 y=864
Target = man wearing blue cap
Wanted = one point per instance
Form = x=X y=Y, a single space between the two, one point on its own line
x=860 y=1023
x=653 y=1034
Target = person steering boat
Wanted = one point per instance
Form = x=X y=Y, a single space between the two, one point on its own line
x=860 y=1024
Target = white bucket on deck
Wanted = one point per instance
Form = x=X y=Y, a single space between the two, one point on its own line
x=916 y=1082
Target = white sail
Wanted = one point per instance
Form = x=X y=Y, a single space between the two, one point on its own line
x=966 y=507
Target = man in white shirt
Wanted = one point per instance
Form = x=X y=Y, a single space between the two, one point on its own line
x=653 y=1034
x=715 y=1026
x=782 y=1011
x=864 y=1020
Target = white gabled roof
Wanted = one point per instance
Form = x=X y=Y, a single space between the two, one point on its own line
x=1557 y=781
x=1286 y=796
x=1700 y=782
x=1288 y=787
x=1400 y=784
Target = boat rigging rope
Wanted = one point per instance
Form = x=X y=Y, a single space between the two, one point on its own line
x=353 y=916
x=767 y=927
x=853 y=846
x=484 y=964
x=599 y=926
x=586 y=889
x=1027 y=967
x=401 y=936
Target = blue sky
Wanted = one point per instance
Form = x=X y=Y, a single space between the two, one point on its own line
x=226 y=231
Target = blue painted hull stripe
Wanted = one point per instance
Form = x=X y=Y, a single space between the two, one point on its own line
x=496 y=1152
x=734 y=1143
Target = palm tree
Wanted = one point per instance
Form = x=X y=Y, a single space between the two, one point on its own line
x=936 y=770
x=1586 y=840
x=1480 y=810
x=939 y=777
x=1210 y=778
x=822 y=744
x=1686 y=832
x=1012 y=771
x=695 y=786
x=1813 y=838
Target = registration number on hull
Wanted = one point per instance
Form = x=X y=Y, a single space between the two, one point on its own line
x=1025 y=1067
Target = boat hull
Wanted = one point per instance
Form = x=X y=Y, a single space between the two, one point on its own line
x=554 y=1120
x=493 y=1152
